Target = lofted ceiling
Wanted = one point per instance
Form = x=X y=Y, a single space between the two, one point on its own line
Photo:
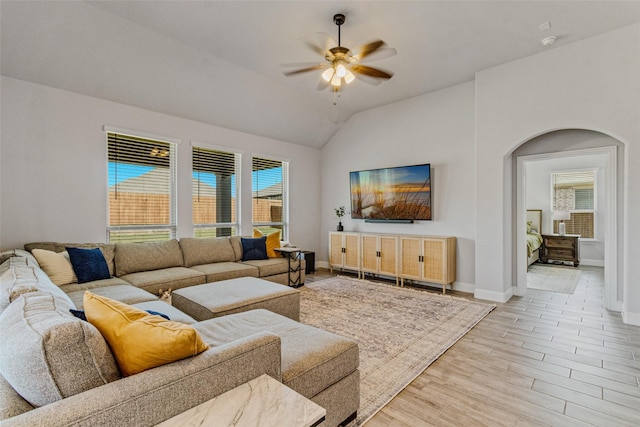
x=219 y=62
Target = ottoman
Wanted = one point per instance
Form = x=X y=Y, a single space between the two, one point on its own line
x=225 y=297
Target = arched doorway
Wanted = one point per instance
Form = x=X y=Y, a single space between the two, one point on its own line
x=573 y=143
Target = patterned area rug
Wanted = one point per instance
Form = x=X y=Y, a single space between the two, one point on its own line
x=556 y=279
x=399 y=331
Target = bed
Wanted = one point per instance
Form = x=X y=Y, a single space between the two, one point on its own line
x=534 y=239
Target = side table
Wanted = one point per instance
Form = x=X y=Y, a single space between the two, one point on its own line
x=294 y=257
x=261 y=402
x=560 y=248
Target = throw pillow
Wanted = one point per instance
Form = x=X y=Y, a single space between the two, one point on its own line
x=253 y=249
x=88 y=264
x=273 y=242
x=139 y=340
x=57 y=265
x=82 y=316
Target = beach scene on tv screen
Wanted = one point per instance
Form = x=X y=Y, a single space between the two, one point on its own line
x=392 y=193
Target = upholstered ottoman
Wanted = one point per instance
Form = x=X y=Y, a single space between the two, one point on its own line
x=319 y=365
x=225 y=297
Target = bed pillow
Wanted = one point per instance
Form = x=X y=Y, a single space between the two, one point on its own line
x=57 y=265
x=253 y=249
x=88 y=264
x=272 y=242
x=139 y=340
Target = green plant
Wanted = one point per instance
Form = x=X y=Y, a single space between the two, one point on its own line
x=339 y=211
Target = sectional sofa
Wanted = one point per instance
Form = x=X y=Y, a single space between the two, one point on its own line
x=57 y=369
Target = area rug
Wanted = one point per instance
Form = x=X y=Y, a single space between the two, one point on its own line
x=400 y=331
x=550 y=278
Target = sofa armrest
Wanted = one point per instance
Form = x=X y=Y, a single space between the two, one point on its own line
x=152 y=396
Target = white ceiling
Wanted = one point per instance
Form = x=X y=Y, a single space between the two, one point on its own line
x=219 y=62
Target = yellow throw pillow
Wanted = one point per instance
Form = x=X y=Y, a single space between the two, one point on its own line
x=273 y=242
x=57 y=265
x=139 y=340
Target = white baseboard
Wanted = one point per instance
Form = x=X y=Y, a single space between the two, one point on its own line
x=493 y=295
x=592 y=262
x=631 y=318
x=464 y=287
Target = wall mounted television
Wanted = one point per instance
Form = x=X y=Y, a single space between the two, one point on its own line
x=401 y=194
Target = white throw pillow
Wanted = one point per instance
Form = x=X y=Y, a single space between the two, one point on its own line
x=57 y=265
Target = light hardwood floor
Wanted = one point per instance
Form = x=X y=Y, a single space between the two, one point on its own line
x=543 y=359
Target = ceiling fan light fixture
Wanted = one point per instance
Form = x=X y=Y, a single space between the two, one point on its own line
x=336 y=80
x=341 y=70
x=349 y=77
x=328 y=74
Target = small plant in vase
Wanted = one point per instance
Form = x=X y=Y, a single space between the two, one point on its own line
x=340 y=213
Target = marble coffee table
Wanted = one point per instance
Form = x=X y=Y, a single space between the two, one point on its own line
x=261 y=402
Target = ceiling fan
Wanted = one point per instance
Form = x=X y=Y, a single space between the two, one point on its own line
x=342 y=66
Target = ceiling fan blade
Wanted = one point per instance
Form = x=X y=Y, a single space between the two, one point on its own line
x=368 y=49
x=382 y=53
x=322 y=85
x=305 y=70
x=320 y=44
x=370 y=71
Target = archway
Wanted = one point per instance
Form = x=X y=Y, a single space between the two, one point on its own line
x=572 y=143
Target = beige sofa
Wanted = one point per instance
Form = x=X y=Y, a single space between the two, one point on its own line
x=58 y=370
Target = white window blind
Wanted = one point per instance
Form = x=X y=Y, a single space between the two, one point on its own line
x=215 y=192
x=270 y=181
x=141 y=188
x=574 y=192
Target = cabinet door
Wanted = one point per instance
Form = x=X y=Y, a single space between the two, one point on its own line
x=388 y=262
x=369 y=253
x=433 y=251
x=352 y=251
x=410 y=250
x=335 y=249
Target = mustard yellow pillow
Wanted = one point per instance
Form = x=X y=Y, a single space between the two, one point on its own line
x=273 y=242
x=139 y=340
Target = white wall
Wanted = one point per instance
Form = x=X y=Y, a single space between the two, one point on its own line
x=591 y=84
x=53 y=166
x=437 y=128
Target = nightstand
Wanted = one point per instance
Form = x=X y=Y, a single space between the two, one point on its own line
x=560 y=248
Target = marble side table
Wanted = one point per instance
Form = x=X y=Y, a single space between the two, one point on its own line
x=262 y=402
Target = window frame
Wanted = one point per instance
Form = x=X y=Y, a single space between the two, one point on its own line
x=593 y=211
x=172 y=226
x=234 y=225
x=284 y=224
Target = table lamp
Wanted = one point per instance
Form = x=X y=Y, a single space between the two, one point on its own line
x=561 y=216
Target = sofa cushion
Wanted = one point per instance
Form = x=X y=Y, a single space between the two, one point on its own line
x=226 y=270
x=46 y=354
x=140 y=341
x=57 y=265
x=87 y=286
x=271 y=266
x=88 y=264
x=125 y=293
x=236 y=244
x=155 y=280
x=312 y=359
x=254 y=248
x=107 y=249
x=197 y=251
x=162 y=307
x=135 y=257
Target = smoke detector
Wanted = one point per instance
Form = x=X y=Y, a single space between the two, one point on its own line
x=548 y=41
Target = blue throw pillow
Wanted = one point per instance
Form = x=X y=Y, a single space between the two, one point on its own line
x=88 y=264
x=254 y=248
x=80 y=314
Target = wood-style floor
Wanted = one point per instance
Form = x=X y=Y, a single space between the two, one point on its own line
x=546 y=358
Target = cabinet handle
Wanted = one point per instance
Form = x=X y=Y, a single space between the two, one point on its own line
x=344 y=250
x=378 y=254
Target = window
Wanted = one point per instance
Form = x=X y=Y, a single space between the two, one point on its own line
x=270 y=181
x=141 y=189
x=574 y=192
x=215 y=192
